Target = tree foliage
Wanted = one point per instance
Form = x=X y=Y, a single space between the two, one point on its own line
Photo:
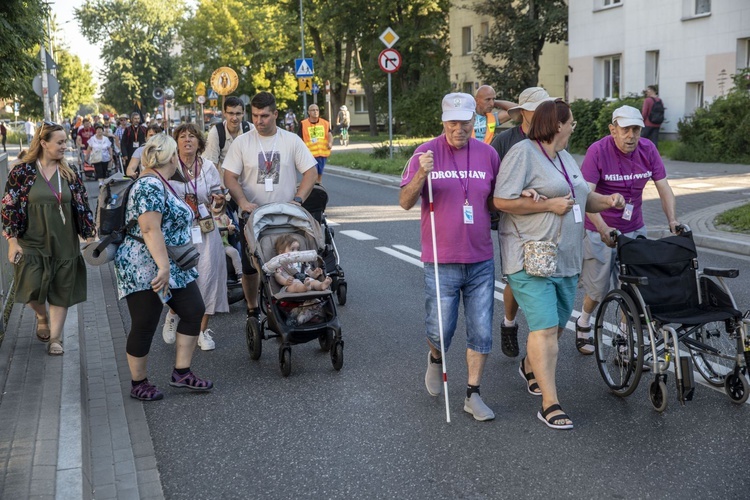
x=21 y=32
x=76 y=81
x=720 y=131
x=137 y=38
x=516 y=38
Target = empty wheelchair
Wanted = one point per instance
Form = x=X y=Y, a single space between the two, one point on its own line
x=668 y=312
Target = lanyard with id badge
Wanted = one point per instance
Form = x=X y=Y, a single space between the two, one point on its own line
x=577 y=215
x=267 y=167
x=201 y=214
x=467 y=209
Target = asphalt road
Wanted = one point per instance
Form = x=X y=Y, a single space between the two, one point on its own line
x=372 y=431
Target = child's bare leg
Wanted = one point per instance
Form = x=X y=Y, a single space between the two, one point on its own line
x=321 y=285
x=296 y=287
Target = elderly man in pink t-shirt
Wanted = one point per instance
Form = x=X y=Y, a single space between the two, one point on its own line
x=462 y=171
x=622 y=162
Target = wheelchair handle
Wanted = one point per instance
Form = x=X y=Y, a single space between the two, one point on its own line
x=680 y=228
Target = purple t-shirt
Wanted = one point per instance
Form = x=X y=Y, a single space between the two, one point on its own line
x=459 y=174
x=613 y=171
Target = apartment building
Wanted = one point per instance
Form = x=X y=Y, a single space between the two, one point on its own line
x=689 y=48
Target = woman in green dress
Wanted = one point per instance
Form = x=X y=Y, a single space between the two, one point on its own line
x=45 y=210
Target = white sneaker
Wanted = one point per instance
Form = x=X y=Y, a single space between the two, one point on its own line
x=169 y=332
x=205 y=342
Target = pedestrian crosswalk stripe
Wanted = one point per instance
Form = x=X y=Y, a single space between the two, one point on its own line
x=357 y=235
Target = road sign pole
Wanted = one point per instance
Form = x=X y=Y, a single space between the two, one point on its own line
x=45 y=84
x=390 y=118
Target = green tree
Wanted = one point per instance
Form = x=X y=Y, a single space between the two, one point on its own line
x=76 y=82
x=137 y=37
x=516 y=38
x=21 y=32
x=250 y=36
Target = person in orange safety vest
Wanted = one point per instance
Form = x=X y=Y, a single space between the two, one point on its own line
x=486 y=119
x=316 y=133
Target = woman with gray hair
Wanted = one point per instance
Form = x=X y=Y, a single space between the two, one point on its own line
x=148 y=278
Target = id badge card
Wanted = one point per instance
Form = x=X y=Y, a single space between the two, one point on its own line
x=577 y=214
x=627 y=214
x=269 y=184
x=314 y=140
x=196 y=235
x=468 y=214
x=136 y=144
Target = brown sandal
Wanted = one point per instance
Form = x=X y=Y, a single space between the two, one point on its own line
x=42 y=329
x=55 y=348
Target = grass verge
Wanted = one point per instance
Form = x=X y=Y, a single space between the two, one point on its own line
x=363 y=161
x=737 y=219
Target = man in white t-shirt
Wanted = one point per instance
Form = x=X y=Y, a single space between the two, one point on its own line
x=261 y=167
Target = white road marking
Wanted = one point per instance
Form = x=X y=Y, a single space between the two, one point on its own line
x=694 y=185
x=357 y=235
x=406 y=249
x=399 y=255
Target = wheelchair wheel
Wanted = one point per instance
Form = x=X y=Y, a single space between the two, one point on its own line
x=712 y=351
x=657 y=393
x=618 y=343
x=736 y=387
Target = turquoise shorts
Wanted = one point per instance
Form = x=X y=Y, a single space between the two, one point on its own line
x=546 y=302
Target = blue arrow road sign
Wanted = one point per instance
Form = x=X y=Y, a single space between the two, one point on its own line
x=303 y=67
x=315 y=88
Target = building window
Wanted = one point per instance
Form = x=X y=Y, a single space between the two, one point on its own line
x=607 y=3
x=611 y=77
x=702 y=7
x=360 y=104
x=467 y=40
x=652 y=67
x=485 y=30
x=743 y=53
x=693 y=97
x=468 y=88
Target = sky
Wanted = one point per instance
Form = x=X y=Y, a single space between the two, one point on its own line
x=69 y=32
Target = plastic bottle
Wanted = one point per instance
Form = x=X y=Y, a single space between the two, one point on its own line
x=112 y=201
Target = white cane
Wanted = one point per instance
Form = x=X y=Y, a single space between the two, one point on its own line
x=437 y=289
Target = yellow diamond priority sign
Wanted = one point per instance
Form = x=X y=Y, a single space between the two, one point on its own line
x=389 y=37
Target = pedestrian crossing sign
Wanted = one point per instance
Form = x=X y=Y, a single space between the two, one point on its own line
x=303 y=67
x=304 y=84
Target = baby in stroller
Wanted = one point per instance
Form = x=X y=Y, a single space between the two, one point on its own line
x=297 y=277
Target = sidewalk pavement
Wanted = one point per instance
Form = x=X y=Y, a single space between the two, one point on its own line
x=68 y=428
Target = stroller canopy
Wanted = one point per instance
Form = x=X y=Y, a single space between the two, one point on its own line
x=286 y=216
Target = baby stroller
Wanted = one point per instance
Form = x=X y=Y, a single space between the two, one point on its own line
x=665 y=298
x=316 y=204
x=283 y=312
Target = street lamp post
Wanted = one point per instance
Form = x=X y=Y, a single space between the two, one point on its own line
x=302 y=36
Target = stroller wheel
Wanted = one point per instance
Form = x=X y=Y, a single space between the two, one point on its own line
x=285 y=360
x=341 y=293
x=326 y=340
x=657 y=393
x=736 y=387
x=337 y=355
x=253 y=337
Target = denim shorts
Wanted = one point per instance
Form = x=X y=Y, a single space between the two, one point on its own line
x=476 y=282
x=546 y=302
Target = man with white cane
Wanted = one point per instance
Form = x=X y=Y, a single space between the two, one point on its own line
x=455 y=176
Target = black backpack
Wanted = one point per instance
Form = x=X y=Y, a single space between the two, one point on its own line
x=656 y=115
x=110 y=212
x=222 y=131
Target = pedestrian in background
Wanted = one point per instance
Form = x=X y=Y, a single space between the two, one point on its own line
x=99 y=153
x=133 y=137
x=464 y=251
x=652 y=113
x=200 y=187
x=487 y=119
x=134 y=167
x=45 y=209
x=148 y=278
x=316 y=132
x=29 y=128
x=4 y=134
x=553 y=214
x=221 y=136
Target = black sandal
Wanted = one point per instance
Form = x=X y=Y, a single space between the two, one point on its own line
x=531 y=387
x=556 y=422
x=584 y=345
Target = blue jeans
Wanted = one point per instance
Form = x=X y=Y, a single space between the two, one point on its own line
x=476 y=282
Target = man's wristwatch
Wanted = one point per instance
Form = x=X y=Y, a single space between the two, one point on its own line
x=297 y=199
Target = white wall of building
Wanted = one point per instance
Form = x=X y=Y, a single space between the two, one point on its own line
x=692 y=49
